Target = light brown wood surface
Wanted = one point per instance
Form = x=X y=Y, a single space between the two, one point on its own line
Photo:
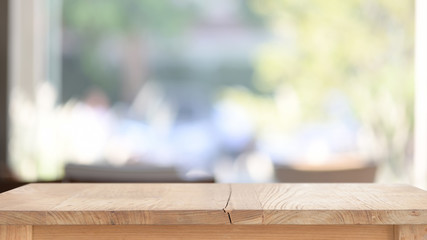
x=410 y=232
x=182 y=204
x=196 y=232
x=16 y=232
x=110 y=204
x=327 y=204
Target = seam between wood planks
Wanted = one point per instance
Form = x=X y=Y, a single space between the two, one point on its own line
x=228 y=212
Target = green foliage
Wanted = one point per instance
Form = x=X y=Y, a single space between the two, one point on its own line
x=362 y=48
x=91 y=22
x=125 y=15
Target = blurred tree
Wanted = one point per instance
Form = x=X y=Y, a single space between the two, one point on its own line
x=127 y=21
x=361 y=48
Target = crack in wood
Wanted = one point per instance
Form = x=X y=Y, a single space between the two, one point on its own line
x=226 y=205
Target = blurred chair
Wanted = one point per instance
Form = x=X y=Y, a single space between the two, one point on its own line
x=326 y=174
x=126 y=173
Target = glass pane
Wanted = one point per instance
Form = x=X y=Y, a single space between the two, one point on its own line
x=238 y=90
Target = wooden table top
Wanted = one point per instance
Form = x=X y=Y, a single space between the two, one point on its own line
x=170 y=204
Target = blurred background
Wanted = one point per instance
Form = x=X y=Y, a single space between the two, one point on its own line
x=212 y=91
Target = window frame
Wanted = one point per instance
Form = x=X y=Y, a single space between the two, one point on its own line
x=4 y=46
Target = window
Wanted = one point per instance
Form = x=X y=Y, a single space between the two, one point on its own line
x=230 y=88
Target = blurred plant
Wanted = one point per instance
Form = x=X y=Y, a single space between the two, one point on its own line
x=105 y=16
x=128 y=22
x=361 y=48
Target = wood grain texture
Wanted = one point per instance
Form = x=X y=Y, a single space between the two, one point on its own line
x=16 y=232
x=329 y=204
x=270 y=232
x=410 y=232
x=45 y=204
x=167 y=204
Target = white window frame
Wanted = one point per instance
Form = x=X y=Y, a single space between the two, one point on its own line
x=420 y=130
